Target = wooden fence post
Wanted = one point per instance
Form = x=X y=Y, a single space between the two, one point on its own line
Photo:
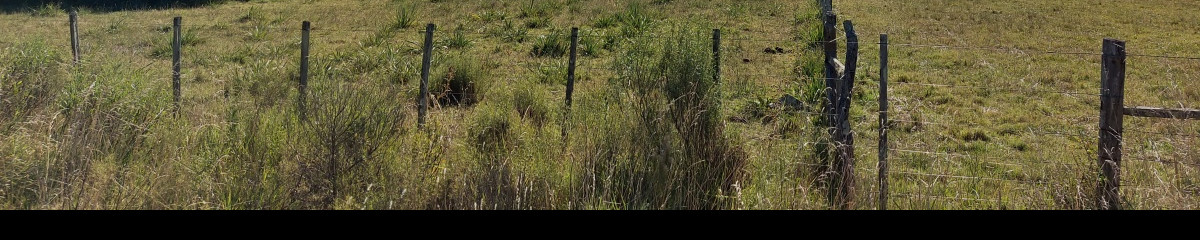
x=1112 y=89
x=826 y=5
x=716 y=55
x=883 y=121
x=844 y=160
x=828 y=105
x=423 y=102
x=177 y=46
x=75 y=35
x=305 y=45
x=830 y=69
x=570 y=80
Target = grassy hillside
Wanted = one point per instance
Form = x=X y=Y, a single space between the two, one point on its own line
x=649 y=127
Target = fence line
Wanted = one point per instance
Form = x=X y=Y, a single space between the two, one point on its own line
x=428 y=33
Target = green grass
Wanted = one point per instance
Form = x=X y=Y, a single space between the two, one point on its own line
x=649 y=127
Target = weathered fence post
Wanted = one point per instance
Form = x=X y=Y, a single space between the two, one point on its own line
x=716 y=55
x=570 y=80
x=844 y=160
x=75 y=35
x=305 y=45
x=1112 y=89
x=830 y=69
x=423 y=101
x=177 y=46
x=829 y=103
x=883 y=121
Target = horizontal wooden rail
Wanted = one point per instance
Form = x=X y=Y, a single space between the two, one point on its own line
x=1177 y=113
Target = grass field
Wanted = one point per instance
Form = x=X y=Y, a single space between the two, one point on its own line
x=648 y=128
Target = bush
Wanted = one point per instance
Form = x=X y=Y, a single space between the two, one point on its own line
x=349 y=124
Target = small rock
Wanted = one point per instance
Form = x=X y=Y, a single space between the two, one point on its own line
x=769 y=51
x=745 y=60
x=791 y=103
x=779 y=50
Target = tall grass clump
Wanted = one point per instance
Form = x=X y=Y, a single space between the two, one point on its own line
x=635 y=20
x=551 y=45
x=32 y=79
x=807 y=25
x=458 y=39
x=510 y=32
x=404 y=17
x=516 y=164
x=532 y=103
x=109 y=117
x=667 y=148
x=457 y=81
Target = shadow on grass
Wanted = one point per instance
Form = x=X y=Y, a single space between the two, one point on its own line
x=30 y=6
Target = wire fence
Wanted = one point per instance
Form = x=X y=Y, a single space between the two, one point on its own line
x=1018 y=168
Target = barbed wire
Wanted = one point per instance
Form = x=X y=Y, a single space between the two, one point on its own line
x=1163 y=134
x=909 y=195
x=1162 y=56
x=995 y=88
x=966 y=177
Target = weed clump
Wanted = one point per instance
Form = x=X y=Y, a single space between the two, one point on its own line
x=404 y=18
x=551 y=45
x=33 y=79
x=676 y=154
x=531 y=104
x=457 y=82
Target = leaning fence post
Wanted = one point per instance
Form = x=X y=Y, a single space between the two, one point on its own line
x=75 y=35
x=883 y=120
x=570 y=80
x=716 y=55
x=423 y=102
x=305 y=28
x=177 y=46
x=844 y=163
x=1112 y=89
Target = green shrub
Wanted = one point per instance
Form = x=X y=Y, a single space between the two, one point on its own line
x=348 y=126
